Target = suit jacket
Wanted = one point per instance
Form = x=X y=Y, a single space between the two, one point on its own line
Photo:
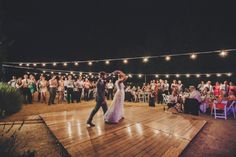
x=100 y=90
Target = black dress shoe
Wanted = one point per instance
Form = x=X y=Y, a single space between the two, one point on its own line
x=90 y=124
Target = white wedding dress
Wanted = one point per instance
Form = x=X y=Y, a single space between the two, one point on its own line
x=116 y=111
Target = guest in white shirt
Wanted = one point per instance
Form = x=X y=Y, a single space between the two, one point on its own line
x=79 y=87
x=13 y=81
x=25 y=89
x=70 y=88
x=110 y=87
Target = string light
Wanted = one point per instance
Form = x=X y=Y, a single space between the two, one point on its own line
x=90 y=74
x=145 y=60
x=125 y=61
x=76 y=63
x=52 y=72
x=229 y=74
x=193 y=56
x=35 y=64
x=71 y=72
x=167 y=76
x=223 y=53
x=139 y=75
x=20 y=64
x=187 y=75
x=90 y=63
x=218 y=75
x=129 y=75
x=208 y=75
x=177 y=75
x=156 y=76
x=54 y=64
x=43 y=64
x=44 y=71
x=107 y=62
x=65 y=64
x=59 y=73
x=167 y=58
x=27 y=64
x=197 y=75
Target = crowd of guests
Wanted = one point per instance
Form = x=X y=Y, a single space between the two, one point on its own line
x=73 y=89
x=57 y=88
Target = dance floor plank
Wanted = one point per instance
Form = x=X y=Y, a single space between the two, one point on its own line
x=143 y=132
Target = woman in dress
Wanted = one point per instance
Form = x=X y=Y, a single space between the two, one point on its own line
x=116 y=111
x=43 y=84
x=61 y=90
x=32 y=86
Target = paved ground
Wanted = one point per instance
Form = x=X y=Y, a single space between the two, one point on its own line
x=218 y=137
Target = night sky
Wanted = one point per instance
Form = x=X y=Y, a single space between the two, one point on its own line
x=50 y=30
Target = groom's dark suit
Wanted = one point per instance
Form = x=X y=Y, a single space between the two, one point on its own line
x=100 y=99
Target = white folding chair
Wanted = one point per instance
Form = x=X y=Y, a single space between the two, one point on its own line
x=141 y=97
x=223 y=113
x=165 y=98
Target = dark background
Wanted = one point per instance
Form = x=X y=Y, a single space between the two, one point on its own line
x=50 y=30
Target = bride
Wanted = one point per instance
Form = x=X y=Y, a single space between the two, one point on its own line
x=116 y=111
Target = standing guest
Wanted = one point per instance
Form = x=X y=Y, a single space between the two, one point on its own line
x=19 y=85
x=152 y=99
x=70 y=87
x=201 y=86
x=80 y=84
x=144 y=87
x=174 y=85
x=76 y=91
x=209 y=86
x=25 y=89
x=225 y=88
x=32 y=86
x=166 y=87
x=39 y=88
x=180 y=86
x=86 y=89
x=110 y=87
x=134 y=94
x=217 y=89
x=61 y=88
x=153 y=84
x=52 y=89
x=160 y=92
x=13 y=81
x=43 y=85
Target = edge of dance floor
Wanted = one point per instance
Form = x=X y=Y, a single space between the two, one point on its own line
x=143 y=132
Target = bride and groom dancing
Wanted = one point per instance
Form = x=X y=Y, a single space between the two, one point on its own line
x=116 y=111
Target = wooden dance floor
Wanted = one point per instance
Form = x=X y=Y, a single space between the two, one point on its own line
x=143 y=132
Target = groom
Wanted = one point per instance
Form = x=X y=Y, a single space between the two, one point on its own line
x=100 y=98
